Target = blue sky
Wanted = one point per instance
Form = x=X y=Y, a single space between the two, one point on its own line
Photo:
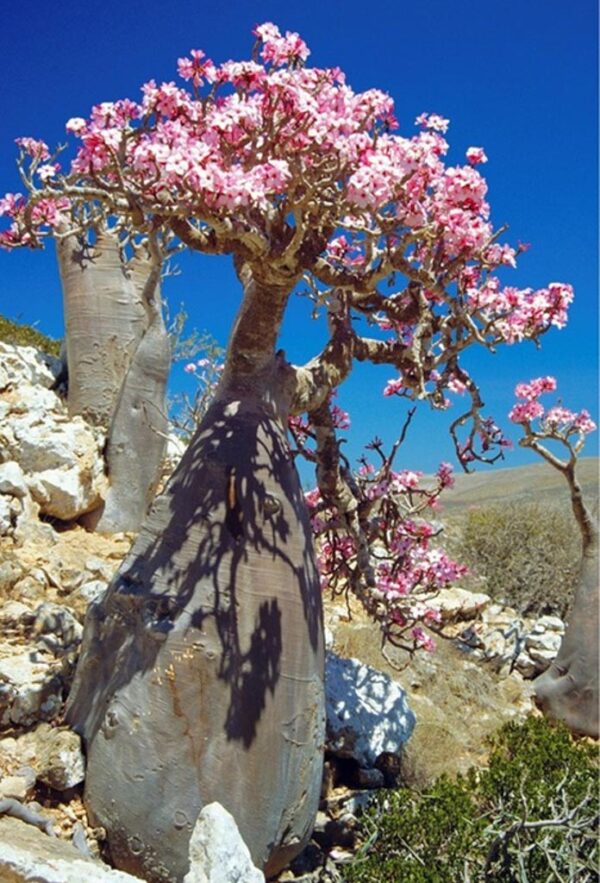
x=518 y=78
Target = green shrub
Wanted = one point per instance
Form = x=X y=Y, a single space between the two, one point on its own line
x=531 y=816
x=25 y=335
x=527 y=553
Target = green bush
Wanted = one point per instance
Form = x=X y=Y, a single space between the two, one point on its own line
x=527 y=553
x=531 y=816
x=25 y=335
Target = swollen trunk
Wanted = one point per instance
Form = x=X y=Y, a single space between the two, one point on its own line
x=201 y=675
x=104 y=322
x=568 y=690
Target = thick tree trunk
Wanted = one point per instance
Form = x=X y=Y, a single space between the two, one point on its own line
x=201 y=673
x=118 y=360
x=568 y=690
x=139 y=427
x=105 y=320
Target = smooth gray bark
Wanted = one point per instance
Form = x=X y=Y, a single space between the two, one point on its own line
x=568 y=689
x=139 y=427
x=201 y=673
x=105 y=320
x=118 y=360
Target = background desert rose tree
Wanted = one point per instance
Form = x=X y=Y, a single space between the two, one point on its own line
x=201 y=672
x=568 y=689
x=117 y=347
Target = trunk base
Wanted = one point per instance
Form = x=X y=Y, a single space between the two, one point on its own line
x=201 y=672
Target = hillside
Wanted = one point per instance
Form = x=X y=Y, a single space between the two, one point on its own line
x=523 y=483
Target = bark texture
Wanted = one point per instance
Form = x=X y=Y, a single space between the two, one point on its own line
x=201 y=673
x=105 y=319
x=139 y=427
x=118 y=361
x=568 y=690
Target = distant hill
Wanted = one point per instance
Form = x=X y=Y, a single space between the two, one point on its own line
x=538 y=482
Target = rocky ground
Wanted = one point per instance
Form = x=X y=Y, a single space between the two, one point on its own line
x=388 y=719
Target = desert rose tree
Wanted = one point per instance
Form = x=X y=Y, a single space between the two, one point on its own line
x=201 y=673
x=117 y=347
x=568 y=689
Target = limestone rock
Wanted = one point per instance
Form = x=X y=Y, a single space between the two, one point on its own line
x=29 y=856
x=458 y=604
x=7 y=519
x=31 y=687
x=217 y=852
x=12 y=480
x=367 y=712
x=93 y=590
x=28 y=365
x=59 y=759
x=68 y=493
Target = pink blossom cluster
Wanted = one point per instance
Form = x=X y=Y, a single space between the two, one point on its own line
x=516 y=314
x=273 y=134
x=408 y=564
x=558 y=422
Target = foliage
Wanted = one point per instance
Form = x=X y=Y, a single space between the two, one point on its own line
x=527 y=552
x=531 y=816
x=26 y=335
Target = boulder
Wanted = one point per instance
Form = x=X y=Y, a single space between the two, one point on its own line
x=31 y=687
x=217 y=852
x=367 y=712
x=12 y=480
x=458 y=604
x=68 y=493
x=59 y=760
x=29 y=856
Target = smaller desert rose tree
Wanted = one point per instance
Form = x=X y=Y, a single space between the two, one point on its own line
x=568 y=690
x=201 y=674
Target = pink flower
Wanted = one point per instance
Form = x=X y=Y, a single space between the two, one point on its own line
x=445 y=474
x=196 y=68
x=476 y=155
x=393 y=387
x=432 y=121
x=11 y=204
x=422 y=640
x=190 y=368
x=36 y=149
x=524 y=412
x=76 y=125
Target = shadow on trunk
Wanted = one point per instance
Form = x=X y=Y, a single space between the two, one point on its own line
x=201 y=674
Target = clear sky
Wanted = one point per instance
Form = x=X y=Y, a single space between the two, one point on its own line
x=518 y=77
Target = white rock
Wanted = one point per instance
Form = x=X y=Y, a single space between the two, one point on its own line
x=29 y=856
x=367 y=712
x=59 y=759
x=7 y=520
x=33 y=406
x=93 y=590
x=542 y=658
x=68 y=493
x=552 y=623
x=456 y=604
x=12 y=480
x=546 y=642
x=26 y=364
x=217 y=852
x=51 y=445
x=30 y=687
